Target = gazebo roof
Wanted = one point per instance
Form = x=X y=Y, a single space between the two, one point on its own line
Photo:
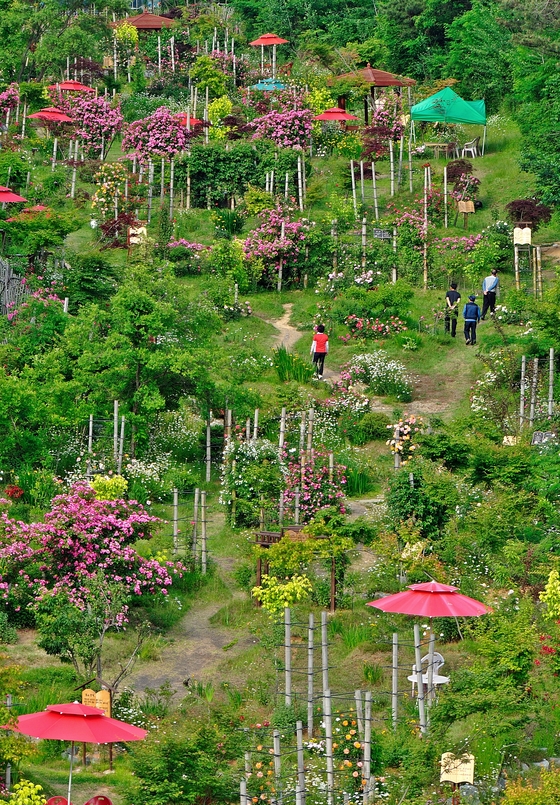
x=378 y=78
x=145 y=22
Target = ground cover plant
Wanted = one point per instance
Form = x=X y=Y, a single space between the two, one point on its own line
x=173 y=474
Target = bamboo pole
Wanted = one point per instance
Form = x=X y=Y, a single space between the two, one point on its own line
x=522 y=392
x=394 y=268
x=277 y=765
x=296 y=505
x=410 y=185
x=324 y=651
x=300 y=790
x=359 y=713
x=115 y=430
x=256 y=425
x=327 y=717
x=392 y=167
x=445 y=199
x=171 y=181
x=374 y=182
x=195 y=522
x=150 y=188
x=551 y=382
x=288 y=656
x=286 y=185
x=55 y=146
x=395 y=681
x=419 y=683
x=400 y=171
x=121 y=447
x=534 y=391
x=353 y=179
x=362 y=188
x=282 y=436
x=364 y=236
x=369 y=783
x=516 y=266
x=300 y=184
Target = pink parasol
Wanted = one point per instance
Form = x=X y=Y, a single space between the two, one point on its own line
x=76 y=722
x=431 y=600
x=8 y=196
x=52 y=115
x=335 y=114
x=71 y=86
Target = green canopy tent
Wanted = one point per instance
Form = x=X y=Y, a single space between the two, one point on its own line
x=448 y=107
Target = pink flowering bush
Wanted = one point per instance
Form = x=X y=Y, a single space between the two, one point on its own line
x=97 y=120
x=161 y=134
x=386 y=124
x=79 y=538
x=290 y=129
x=361 y=327
x=265 y=243
x=317 y=489
x=9 y=99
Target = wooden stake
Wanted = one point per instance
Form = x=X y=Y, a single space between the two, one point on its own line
x=300 y=184
x=175 y=520
x=353 y=179
x=359 y=712
x=522 y=394
x=115 y=430
x=208 y=447
x=159 y=55
x=364 y=236
x=551 y=382
x=171 y=178
x=400 y=171
x=516 y=266
x=296 y=505
x=286 y=185
x=395 y=680
x=195 y=521
x=203 y=552
x=310 y=652
x=539 y=273
x=324 y=651
x=394 y=268
x=162 y=182
x=410 y=186
x=534 y=391
x=327 y=718
x=288 y=655
x=256 y=425
x=445 y=200
x=374 y=182
x=121 y=447
x=392 y=166
x=362 y=188
x=419 y=683
x=55 y=146
x=282 y=435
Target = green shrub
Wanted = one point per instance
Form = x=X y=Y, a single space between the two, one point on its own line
x=375 y=425
x=290 y=366
x=385 y=301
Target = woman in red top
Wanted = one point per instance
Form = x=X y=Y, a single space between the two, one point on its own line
x=319 y=349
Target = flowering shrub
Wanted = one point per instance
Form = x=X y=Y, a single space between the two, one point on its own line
x=110 y=180
x=237 y=310
x=251 y=470
x=79 y=537
x=276 y=595
x=319 y=486
x=14 y=492
x=374 y=328
x=160 y=134
x=403 y=433
x=386 y=124
x=96 y=119
x=465 y=187
x=109 y=487
x=290 y=129
x=267 y=244
x=380 y=373
x=9 y=99
x=146 y=477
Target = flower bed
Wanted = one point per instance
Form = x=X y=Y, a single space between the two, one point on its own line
x=374 y=328
x=380 y=373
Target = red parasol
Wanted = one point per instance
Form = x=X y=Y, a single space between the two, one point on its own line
x=269 y=39
x=72 y=86
x=335 y=114
x=51 y=114
x=194 y=121
x=7 y=195
x=76 y=722
x=431 y=600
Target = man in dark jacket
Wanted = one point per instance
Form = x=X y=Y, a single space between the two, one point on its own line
x=471 y=315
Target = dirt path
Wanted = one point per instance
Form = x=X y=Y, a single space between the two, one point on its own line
x=288 y=336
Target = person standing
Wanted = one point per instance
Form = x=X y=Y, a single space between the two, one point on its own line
x=320 y=349
x=489 y=290
x=452 y=299
x=471 y=315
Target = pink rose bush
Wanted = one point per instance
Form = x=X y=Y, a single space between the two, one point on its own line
x=96 y=120
x=317 y=490
x=9 y=99
x=161 y=134
x=290 y=129
x=267 y=244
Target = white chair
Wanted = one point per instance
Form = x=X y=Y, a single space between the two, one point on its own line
x=437 y=663
x=471 y=148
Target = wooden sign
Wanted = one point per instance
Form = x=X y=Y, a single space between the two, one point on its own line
x=103 y=701
x=542 y=437
x=382 y=234
x=88 y=697
x=466 y=206
x=522 y=237
x=456 y=769
x=137 y=235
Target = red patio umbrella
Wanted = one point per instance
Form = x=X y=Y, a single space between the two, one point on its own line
x=183 y=119
x=72 y=86
x=52 y=115
x=7 y=195
x=76 y=723
x=269 y=39
x=431 y=600
x=335 y=114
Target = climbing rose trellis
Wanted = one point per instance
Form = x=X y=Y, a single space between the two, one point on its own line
x=97 y=120
x=161 y=134
x=290 y=129
x=267 y=244
x=80 y=536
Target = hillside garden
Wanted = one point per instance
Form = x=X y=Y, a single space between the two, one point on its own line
x=192 y=520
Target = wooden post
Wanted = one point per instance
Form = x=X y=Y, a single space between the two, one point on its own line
x=302 y=431
x=369 y=783
x=159 y=55
x=516 y=266
x=310 y=421
x=400 y=171
x=282 y=435
x=394 y=268
x=374 y=182
x=300 y=789
x=534 y=391
x=364 y=237
x=419 y=683
x=539 y=273
x=115 y=430
x=395 y=680
x=90 y=445
x=445 y=200
x=208 y=447
x=150 y=188
x=359 y=712
x=171 y=178
x=175 y=520
x=203 y=553
x=353 y=178
x=310 y=653
x=327 y=718
x=410 y=185
x=288 y=655
x=121 y=447
x=73 y=185
x=300 y=184
x=248 y=429
x=162 y=182
x=256 y=425
x=277 y=765
x=522 y=392
x=392 y=167
x=551 y=382
x=55 y=146
x=431 y=647
x=324 y=651
x=362 y=188
x=195 y=521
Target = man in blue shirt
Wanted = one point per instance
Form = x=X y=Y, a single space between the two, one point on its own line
x=490 y=289
x=471 y=315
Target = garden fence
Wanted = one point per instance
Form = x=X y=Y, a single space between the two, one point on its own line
x=13 y=288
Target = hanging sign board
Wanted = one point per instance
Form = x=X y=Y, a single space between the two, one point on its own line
x=88 y=697
x=103 y=701
x=456 y=769
x=522 y=237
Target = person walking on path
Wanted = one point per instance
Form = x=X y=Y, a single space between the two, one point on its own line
x=471 y=315
x=489 y=290
x=452 y=299
x=320 y=349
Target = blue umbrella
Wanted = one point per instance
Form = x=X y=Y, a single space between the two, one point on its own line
x=269 y=85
